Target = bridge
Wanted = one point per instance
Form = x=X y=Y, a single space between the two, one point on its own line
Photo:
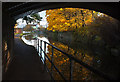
x=13 y=11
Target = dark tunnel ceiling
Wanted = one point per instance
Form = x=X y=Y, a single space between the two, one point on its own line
x=20 y=9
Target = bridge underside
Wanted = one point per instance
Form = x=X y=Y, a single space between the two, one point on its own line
x=17 y=10
x=13 y=11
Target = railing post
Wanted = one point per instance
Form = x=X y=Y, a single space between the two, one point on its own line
x=41 y=48
x=38 y=46
x=34 y=43
x=44 y=55
x=52 y=61
x=71 y=70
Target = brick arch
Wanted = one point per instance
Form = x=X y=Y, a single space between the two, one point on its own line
x=18 y=10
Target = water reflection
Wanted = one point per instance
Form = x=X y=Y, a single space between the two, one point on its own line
x=30 y=39
x=61 y=61
x=63 y=64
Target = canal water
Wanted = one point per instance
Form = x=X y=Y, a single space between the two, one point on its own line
x=98 y=58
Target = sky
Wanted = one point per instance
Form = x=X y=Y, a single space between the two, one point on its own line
x=43 y=22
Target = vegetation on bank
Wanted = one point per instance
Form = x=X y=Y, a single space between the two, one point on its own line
x=87 y=27
x=21 y=34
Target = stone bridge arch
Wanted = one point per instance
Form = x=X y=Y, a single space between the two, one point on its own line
x=12 y=11
x=20 y=9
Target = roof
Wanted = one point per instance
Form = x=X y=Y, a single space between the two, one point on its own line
x=28 y=27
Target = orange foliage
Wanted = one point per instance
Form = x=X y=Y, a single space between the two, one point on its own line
x=68 y=19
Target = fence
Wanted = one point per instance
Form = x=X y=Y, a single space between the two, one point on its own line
x=39 y=45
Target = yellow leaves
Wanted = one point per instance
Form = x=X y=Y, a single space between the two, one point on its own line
x=53 y=25
x=93 y=11
x=62 y=20
x=80 y=23
x=68 y=8
x=53 y=30
x=65 y=22
x=61 y=9
x=68 y=24
x=84 y=11
x=68 y=19
x=73 y=25
x=67 y=59
x=49 y=28
x=64 y=60
x=60 y=25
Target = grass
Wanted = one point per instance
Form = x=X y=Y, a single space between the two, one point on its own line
x=21 y=34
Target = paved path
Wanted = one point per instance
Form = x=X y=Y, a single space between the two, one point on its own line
x=26 y=65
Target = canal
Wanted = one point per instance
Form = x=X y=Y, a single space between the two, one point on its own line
x=96 y=57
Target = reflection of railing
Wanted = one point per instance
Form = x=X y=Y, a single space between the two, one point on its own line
x=71 y=58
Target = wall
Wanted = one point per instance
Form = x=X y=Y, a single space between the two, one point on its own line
x=7 y=41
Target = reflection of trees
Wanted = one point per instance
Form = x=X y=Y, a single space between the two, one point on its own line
x=29 y=37
x=61 y=61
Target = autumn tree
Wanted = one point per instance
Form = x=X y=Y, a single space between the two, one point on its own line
x=32 y=18
x=27 y=19
x=36 y=17
x=68 y=19
x=107 y=28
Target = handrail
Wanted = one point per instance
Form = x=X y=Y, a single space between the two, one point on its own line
x=103 y=75
x=54 y=65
